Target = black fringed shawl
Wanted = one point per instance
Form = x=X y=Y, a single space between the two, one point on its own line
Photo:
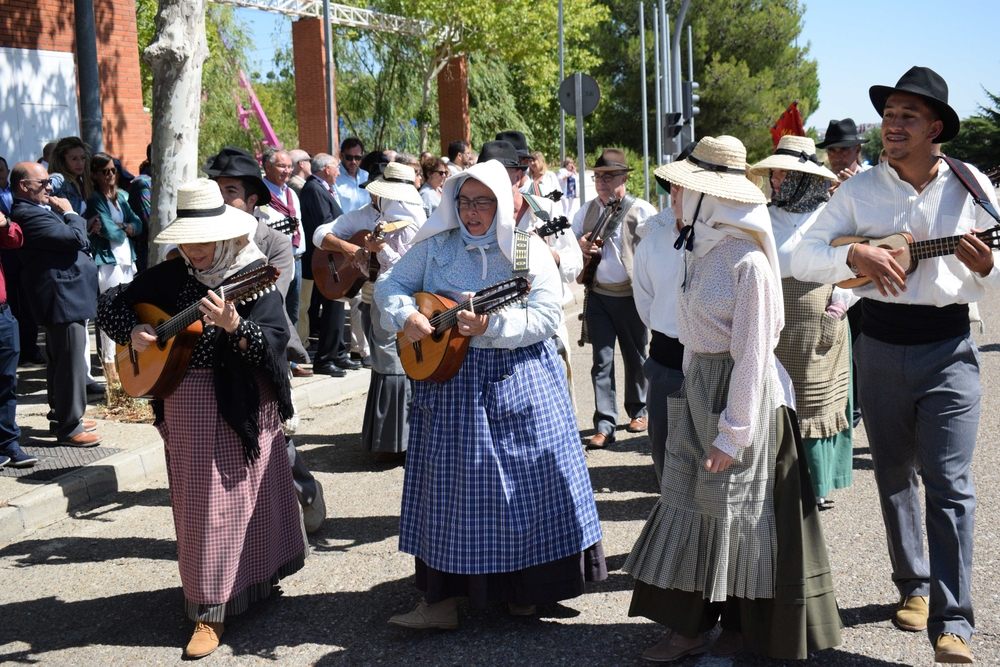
x=236 y=386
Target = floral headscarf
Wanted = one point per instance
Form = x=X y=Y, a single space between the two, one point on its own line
x=801 y=192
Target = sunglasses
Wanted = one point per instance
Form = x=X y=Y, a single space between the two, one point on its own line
x=111 y=171
x=44 y=181
x=442 y=172
x=351 y=158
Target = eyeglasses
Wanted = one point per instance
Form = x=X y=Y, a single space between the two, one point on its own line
x=110 y=171
x=480 y=204
x=351 y=158
x=441 y=172
x=607 y=176
x=44 y=181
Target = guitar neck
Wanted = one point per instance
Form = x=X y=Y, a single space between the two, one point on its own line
x=480 y=304
x=183 y=319
x=943 y=246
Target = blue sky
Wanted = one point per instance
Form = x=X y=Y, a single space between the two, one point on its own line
x=857 y=43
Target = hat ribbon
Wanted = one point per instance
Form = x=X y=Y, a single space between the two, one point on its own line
x=397 y=180
x=686 y=237
x=609 y=163
x=801 y=155
x=709 y=166
x=200 y=212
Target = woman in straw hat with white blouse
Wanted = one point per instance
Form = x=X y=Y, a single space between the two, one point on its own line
x=815 y=345
x=234 y=506
x=735 y=534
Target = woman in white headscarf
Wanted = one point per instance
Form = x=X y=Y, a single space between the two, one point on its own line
x=497 y=502
x=735 y=533
x=234 y=505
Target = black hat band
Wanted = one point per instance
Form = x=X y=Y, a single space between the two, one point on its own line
x=618 y=165
x=801 y=155
x=200 y=212
x=398 y=180
x=709 y=166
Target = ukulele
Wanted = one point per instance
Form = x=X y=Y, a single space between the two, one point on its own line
x=438 y=357
x=554 y=226
x=156 y=371
x=591 y=263
x=913 y=251
x=337 y=275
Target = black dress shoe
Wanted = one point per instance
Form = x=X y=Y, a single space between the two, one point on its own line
x=331 y=370
x=348 y=365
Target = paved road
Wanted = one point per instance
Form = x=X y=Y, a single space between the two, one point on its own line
x=102 y=587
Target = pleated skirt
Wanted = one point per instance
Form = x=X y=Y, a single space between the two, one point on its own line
x=386 y=426
x=802 y=617
x=238 y=525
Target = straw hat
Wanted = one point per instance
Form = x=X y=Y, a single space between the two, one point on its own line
x=396 y=183
x=203 y=216
x=717 y=167
x=794 y=154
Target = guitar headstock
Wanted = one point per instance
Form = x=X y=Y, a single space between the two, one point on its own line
x=991 y=236
x=247 y=286
x=502 y=294
x=287 y=225
x=555 y=226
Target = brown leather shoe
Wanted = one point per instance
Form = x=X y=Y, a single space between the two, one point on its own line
x=441 y=615
x=599 y=441
x=674 y=647
x=300 y=372
x=911 y=613
x=951 y=649
x=89 y=424
x=637 y=425
x=81 y=439
x=204 y=640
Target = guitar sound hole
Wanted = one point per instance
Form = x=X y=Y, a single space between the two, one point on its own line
x=437 y=335
x=160 y=343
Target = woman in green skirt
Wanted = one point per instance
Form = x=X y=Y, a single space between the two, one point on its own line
x=735 y=535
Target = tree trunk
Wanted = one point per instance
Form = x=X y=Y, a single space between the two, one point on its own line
x=176 y=56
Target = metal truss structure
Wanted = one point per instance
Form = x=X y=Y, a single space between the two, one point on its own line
x=345 y=15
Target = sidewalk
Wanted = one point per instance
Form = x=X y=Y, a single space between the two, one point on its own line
x=128 y=455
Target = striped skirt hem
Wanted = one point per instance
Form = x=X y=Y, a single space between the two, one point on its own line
x=217 y=613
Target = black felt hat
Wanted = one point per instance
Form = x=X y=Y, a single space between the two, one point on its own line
x=841 y=134
x=374 y=163
x=928 y=84
x=515 y=139
x=503 y=152
x=233 y=162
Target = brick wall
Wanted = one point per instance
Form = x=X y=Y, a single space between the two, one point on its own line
x=453 y=103
x=48 y=25
x=310 y=85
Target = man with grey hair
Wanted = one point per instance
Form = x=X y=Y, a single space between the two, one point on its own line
x=277 y=171
x=301 y=169
x=319 y=207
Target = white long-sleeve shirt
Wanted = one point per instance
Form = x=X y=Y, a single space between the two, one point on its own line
x=611 y=269
x=654 y=277
x=877 y=203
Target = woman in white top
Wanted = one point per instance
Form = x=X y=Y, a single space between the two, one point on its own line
x=736 y=524
x=543 y=182
x=110 y=233
x=435 y=174
x=815 y=345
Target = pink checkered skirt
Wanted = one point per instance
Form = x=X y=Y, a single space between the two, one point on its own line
x=237 y=524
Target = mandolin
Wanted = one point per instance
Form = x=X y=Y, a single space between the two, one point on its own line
x=913 y=251
x=438 y=357
x=591 y=262
x=337 y=275
x=156 y=371
x=286 y=225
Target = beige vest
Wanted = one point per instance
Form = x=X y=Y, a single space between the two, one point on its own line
x=629 y=241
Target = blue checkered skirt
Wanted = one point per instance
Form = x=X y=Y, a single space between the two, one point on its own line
x=495 y=476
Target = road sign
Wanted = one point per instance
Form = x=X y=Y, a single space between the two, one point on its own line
x=590 y=90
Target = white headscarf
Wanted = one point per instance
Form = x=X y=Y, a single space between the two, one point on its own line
x=493 y=175
x=719 y=218
x=231 y=257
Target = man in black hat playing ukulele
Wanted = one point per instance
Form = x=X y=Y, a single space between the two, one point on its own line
x=843 y=150
x=917 y=363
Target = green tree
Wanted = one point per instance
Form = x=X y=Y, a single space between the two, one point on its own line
x=978 y=140
x=873 y=148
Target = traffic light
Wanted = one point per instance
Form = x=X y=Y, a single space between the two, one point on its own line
x=674 y=123
x=691 y=98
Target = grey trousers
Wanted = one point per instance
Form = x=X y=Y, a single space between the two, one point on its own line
x=921 y=409
x=611 y=318
x=66 y=377
x=663 y=382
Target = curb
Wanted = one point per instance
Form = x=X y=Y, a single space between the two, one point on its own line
x=57 y=498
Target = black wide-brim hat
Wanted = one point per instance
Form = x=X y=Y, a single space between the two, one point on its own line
x=374 y=163
x=842 y=134
x=503 y=152
x=234 y=162
x=515 y=139
x=928 y=84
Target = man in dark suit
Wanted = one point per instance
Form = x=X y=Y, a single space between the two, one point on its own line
x=28 y=330
x=61 y=281
x=319 y=207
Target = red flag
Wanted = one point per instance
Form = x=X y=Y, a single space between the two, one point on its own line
x=790 y=122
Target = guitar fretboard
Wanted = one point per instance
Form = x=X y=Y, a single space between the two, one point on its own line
x=946 y=246
x=183 y=319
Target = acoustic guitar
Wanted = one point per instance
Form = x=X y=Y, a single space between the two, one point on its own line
x=337 y=275
x=156 y=371
x=287 y=225
x=913 y=251
x=591 y=262
x=438 y=357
